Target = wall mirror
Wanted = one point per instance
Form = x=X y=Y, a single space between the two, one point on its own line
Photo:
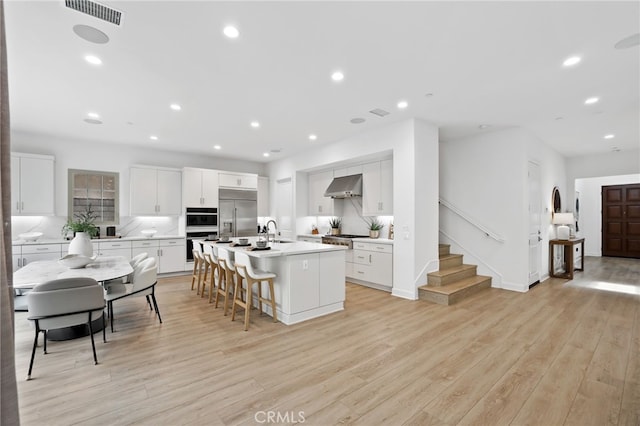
x=97 y=191
x=555 y=200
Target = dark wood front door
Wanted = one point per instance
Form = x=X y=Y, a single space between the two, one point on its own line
x=621 y=220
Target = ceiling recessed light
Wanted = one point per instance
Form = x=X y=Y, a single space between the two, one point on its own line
x=591 y=101
x=403 y=104
x=337 y=76
x=571 y=61
x=153 y=137
x=313 y=137
x=93 y=115
x=428 y=95
x=93 y=60
x=615 y=149
x=92 y=121
x=231 y=32
x=91 y=34
x=484 y=126
x=175 y=107
x=276 y=151
x=217 y=147
x=559 y=118
x=255 y=124
x=357 y=120
x=631 y=41
x=265 y=154
x=609 y=136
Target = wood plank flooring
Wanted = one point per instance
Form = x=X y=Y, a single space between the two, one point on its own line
x=566 y=352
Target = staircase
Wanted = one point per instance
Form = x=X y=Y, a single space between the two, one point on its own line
x=454 y=281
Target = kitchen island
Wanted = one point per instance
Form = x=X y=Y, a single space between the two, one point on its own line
x=310 y=279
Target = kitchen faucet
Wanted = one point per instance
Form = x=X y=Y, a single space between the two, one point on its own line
x=274 y=234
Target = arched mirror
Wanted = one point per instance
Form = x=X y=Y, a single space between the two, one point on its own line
x=555 y=200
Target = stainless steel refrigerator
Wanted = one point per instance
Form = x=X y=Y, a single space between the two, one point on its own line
x=238 y=212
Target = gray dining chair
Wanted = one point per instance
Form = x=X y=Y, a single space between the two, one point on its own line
x=64 y=303
x=143 y=283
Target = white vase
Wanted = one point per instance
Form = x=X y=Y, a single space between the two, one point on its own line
x=81 y=244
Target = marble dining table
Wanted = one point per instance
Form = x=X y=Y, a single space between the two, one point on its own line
x=104 y=268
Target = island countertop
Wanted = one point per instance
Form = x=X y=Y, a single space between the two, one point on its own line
x=288 y=248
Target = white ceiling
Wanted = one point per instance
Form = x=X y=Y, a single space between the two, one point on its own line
x=495 y=63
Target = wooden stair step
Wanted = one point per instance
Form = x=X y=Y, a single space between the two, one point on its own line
x=450 y=260
x=443 y=249
x=450 y=275
x=454 y=292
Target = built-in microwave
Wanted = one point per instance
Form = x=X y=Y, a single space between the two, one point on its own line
x=199 y=217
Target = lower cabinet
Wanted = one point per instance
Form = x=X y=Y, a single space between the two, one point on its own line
x=169 y=253
x=371 y=262
x=113 y=248
x=25 y=254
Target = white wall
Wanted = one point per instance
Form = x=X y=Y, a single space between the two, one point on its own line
x=600 y=165
x=552 y=174
x=415 y=183
x=485 y=177
x=74 y=154
x=590 y=217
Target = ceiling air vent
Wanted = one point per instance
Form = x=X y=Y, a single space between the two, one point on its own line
x=379 y=112
x=96 y=10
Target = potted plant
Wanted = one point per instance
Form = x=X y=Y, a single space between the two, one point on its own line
x=82 y=222
x=375 y=226
x=335 y=223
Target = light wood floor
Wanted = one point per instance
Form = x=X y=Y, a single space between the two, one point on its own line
x=563 y=353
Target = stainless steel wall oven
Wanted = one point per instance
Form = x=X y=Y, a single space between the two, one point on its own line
x=201 y=222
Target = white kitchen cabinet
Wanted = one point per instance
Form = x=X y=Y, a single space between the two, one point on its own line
x=113 y=248
x=25 y=254
x=263 y=196
x=155 y=192
x=32 y=185
x=319 y=205
x=372 y=263
x=238 y=180
x=377 y=188
x=200 y=187
x=316 y=240
x=348 y=171
x=170 y=253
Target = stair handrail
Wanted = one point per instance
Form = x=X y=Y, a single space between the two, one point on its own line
x=469 y=219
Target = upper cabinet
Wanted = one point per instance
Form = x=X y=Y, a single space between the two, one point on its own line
x=200 y=187
x=155 y=191
x=32 y=185
x=238 y=181
x=263 y=196
x=377 y=188
x=319 y=205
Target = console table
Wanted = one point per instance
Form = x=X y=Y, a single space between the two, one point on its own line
x=567 y=247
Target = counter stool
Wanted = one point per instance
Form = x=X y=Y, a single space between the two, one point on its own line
x=226 y=273
x=198 y=265
x=211 y=262
x=245 y=271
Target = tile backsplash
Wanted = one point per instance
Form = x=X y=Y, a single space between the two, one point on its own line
x=51 y=226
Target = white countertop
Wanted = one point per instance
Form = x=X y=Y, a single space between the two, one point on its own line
x=280 y=249
x=93 y=240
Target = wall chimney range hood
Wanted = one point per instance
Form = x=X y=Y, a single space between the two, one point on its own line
x=345 y=187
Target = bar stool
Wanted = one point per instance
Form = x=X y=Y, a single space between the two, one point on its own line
x=226 y=273
x=211 y=260
x=198 y=265
x=245 y=271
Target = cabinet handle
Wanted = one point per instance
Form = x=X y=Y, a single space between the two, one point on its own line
x=18 y=206
x=19 y=262
x=320 y=208
x=360 y=272
x=22 y=203
x=379 y=205
x=380 y=248
x=116 y=245
x=239 y=182
x=369 y=258
x=42 y=249
x=24 y=261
